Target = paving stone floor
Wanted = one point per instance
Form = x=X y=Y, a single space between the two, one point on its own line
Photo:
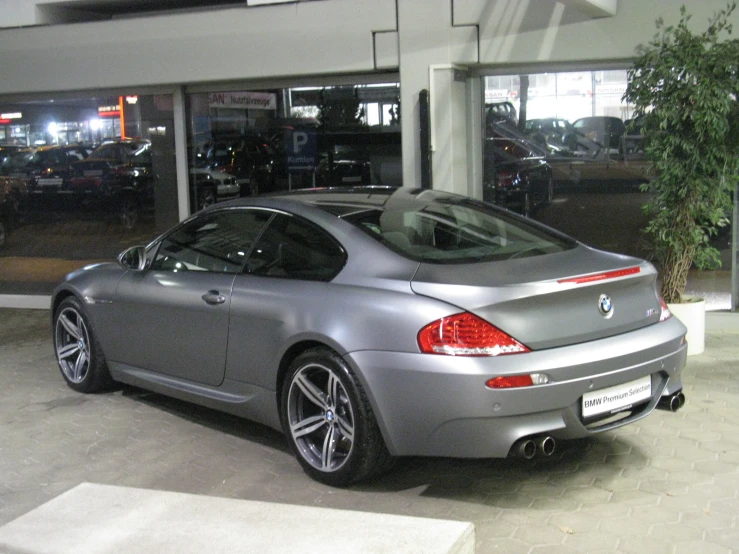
x=669 y=483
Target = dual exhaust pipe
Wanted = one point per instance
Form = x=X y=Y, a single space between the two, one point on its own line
x=529 y=447
x=673 y=402
x=544 y=445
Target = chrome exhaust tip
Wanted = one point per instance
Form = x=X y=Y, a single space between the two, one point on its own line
x=672 y=402
x=525 y=448
x=546 y=445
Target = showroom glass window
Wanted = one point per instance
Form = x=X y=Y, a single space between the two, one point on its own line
x=82 y=178
x=270 y=140
x=573 y=129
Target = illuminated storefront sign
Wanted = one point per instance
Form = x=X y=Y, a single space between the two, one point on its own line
x=243 y=100
x=6 y=118
x=109 y=111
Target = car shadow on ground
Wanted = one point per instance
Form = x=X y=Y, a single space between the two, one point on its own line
x=212 y=419
x=514 y=482
x=504 y=482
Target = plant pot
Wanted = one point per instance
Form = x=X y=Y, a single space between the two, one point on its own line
x=692 y=313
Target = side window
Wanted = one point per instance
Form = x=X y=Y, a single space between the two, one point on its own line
x=296 y=249
x=218 y=242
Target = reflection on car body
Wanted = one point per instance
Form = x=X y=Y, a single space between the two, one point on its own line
x=371 y=323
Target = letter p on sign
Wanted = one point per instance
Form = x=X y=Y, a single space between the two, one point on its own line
x=300 y=139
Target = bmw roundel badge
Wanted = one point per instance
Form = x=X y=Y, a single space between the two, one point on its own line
x=604 y=306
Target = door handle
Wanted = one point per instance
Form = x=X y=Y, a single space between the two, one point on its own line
x=213 y=297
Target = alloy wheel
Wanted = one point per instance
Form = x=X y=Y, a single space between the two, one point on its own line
x=72 y=345
x=320 y=417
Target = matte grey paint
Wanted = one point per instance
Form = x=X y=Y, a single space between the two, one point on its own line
x=157 y=332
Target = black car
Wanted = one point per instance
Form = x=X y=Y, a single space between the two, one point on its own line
x=605 y=130
x=117 y=176
x=52 y=171
x=516 y=175
x=249 y=158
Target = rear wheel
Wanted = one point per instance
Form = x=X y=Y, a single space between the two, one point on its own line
x=2 y=234
x=329 y=422
x=78 y=353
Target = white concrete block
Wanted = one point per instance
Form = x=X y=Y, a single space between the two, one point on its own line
x=104 y=519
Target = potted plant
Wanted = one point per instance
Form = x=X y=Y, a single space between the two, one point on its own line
x=684 y=87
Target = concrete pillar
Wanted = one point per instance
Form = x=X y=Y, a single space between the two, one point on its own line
x=433 y=55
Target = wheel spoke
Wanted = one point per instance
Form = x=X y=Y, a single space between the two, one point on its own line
x=346 y=428
x=311 y=392
x=307 y=426
x=67 y=351
x=334 y=390
x=79 y=366
x=329 y=448
x=70 y=327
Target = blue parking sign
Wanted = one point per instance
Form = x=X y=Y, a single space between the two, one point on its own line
x=301 y=147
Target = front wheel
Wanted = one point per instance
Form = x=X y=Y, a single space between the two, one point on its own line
x=78 y=353
x=329 y=422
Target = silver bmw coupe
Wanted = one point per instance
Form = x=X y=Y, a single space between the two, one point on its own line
x=372 y=323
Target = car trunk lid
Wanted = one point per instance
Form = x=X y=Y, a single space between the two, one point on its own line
x=553 y=299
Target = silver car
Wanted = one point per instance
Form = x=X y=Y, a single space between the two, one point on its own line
x=372 y=323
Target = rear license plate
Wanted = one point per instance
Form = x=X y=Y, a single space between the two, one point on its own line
x=616 y=398
x=50 y=182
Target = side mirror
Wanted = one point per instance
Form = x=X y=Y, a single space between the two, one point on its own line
x=133 y=258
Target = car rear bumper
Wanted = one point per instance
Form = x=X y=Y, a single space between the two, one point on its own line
x=431 y=405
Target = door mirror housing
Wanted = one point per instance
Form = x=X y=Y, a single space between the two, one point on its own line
x=134 y=258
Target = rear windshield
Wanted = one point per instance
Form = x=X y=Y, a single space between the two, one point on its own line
x=450 y=229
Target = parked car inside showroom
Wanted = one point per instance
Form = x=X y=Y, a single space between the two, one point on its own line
x=249 y=158
x=117 y=177
x=51 y=179
x=605 y=130
x=561 y=138
x=372 y=323
x=517 y=175
x=208 y=186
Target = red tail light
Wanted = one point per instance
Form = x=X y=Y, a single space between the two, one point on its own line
x=466 y=334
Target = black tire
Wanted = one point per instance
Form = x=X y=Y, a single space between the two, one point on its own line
x=328 y=421
x=78 y=353
x=550 y=190
x=2 y=233
x=206 y=197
